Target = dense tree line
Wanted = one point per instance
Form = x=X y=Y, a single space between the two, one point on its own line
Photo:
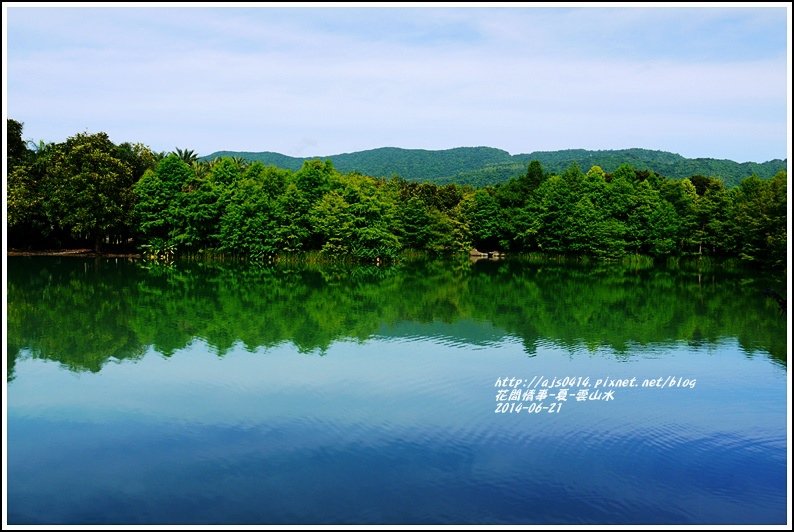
x=88 y=189
x=73 y=192
x=664 y=163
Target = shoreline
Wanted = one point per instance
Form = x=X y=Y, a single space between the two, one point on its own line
x=82 y=252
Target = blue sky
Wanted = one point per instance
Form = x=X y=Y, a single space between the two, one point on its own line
x=702 y=82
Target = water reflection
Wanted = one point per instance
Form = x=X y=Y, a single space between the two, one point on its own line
x=84 y=313
x=223 y=419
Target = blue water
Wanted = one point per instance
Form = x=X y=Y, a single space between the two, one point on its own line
x=394 y=426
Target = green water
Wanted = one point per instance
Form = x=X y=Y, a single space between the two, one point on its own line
x=84 y=313
x=212 y=393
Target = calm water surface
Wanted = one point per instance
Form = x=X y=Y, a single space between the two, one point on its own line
x=228 y=394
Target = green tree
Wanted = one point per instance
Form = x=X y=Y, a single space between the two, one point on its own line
x=482 y=215
x=759 y=224
x=596 y=172
x=29 y=224
x=558 y=226
x=188 y=156
x=535 y=175
x=625 y=171
x=706 y=220
x=201 y=168
x=332 y=219
x=359 y=218
x=200 y=206
x=249 y=224
x=157 y=193
x=17 y=150
x=664 y=229
x=314 y=179
x=89 y=187
x=294 y=228
x=225 y=172
x=415 y=223
x=138 y=156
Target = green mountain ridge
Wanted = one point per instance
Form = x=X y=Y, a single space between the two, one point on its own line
x=482 y=166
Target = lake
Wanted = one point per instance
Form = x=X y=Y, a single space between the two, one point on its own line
x=428 y=392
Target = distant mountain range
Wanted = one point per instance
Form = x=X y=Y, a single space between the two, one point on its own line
x=489 y=166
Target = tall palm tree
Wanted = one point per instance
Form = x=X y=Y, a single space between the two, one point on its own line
x=39 y=147
x=241 y=162
x=189 y=156
x=202 y=168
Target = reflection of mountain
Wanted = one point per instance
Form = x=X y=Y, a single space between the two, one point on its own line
x=84 y=313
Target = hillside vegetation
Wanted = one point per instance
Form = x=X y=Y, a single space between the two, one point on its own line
x=484 y=166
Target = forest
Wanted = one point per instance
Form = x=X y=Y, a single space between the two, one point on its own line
x=90 y=191
x=484 y=166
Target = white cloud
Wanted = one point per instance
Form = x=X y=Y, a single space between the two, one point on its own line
x=332 y=82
